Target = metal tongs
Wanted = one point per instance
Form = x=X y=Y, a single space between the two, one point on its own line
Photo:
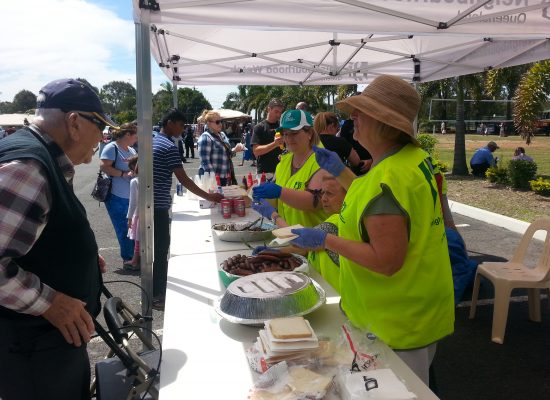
x=250 y=224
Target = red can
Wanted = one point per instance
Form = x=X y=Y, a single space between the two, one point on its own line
x=240 y=207
x=225 y=205
x=232 y=200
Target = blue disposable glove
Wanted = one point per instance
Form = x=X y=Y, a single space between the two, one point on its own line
x=257 y=250
x=268 y=190
x=309 y=238
x=329 y=161
x=263 y=208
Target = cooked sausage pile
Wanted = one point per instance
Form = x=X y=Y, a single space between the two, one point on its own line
x=265 y=261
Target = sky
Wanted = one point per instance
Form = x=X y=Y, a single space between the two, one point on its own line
x=44 y=40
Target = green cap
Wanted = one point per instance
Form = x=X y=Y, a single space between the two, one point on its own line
x=295 y=120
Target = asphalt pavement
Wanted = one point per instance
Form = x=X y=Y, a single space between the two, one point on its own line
x=519 y=369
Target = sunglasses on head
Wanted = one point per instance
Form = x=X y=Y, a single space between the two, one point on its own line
x=219 y=121
x=99 y=123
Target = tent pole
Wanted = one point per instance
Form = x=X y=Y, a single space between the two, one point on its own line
x=145 y=127
x=175 y=94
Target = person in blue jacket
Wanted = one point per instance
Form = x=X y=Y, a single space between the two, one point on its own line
x=483 y=159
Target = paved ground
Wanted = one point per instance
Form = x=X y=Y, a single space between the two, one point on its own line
x=465 y=361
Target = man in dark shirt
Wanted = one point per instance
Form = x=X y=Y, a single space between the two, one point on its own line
x=265 y=146
x=50 y=270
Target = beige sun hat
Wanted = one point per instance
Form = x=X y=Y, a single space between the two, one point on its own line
x=388 y=99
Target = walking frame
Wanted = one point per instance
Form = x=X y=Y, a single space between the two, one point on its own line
x=123 y=371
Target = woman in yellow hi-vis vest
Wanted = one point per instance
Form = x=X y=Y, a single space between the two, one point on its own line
x=395 y=273
x=325 y=261
x=297 y=186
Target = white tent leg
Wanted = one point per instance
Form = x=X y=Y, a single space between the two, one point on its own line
x=145 y=127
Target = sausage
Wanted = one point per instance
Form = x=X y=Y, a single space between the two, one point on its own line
x=272 y=268
x=277 y=254
x=241 y=272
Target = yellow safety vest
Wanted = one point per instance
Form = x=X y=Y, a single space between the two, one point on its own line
x=321 y=261
x=298 y=181
x=414 y=307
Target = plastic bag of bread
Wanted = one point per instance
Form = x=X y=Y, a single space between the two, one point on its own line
x=292 y=383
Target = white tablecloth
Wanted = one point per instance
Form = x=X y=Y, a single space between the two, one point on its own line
x=203 y=354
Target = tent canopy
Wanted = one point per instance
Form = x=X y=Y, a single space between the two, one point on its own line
x=330 y=42
x=226 y=114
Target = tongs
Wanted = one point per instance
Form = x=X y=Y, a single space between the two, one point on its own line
x=250 y=224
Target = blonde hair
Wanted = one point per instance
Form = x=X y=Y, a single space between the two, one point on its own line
x=323 y=120
x=208 y=115
x=128 y=127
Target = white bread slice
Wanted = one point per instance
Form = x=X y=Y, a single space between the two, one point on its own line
x=285 y=232
x=290 y=328
x=308 y=383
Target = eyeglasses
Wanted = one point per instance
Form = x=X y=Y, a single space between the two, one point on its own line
x=96 y=121
x=216 y=122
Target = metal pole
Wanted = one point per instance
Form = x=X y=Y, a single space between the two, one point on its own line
x=175 y=93
x=145 y=127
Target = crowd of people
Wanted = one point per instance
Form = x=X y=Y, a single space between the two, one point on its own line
x=372 y=221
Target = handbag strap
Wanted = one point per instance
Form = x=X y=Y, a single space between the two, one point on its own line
x=229 y=156
x=116 y=155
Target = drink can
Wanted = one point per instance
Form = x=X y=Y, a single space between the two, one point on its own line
x=240 y=207
x=232 y=199
x=179 y=189
x=226 y=208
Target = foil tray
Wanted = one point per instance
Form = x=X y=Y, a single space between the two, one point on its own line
x=253 y=299
x=246 y=236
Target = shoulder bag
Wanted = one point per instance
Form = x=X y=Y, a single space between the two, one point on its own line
x=102 y=188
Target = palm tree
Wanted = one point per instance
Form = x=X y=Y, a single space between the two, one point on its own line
x=503 y=82
x=530 y=97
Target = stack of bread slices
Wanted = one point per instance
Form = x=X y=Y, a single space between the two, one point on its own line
x=286 y=339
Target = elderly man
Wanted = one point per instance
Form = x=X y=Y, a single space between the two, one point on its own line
x=266 y=147
x=50 y=270
x=483 y=159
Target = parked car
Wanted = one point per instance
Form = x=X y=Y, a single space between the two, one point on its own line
x=542 y=125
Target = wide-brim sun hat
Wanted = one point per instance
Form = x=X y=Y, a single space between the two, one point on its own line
x=388 y=99
x=295 y=120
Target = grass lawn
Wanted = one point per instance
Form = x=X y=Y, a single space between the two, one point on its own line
x=539 y=149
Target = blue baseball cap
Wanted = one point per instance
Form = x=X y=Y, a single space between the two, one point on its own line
x=72 y=95
x=295 y=120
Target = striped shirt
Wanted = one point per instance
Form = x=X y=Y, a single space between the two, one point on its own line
x=25 y=194
x=213 y=154
x=166 y=159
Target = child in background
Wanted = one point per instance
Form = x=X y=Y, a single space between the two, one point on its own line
x=133 y=217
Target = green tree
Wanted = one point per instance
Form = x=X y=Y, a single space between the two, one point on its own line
x=23 y=101
x=190 y=101
x=502 y=83
x=118 y=96
x=530 y=97
x=6 y=107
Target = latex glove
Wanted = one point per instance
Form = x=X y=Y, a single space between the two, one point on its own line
x=257 y=250
x=268 y=190
x=309 y=238
x=329 y=161
x=263 y=208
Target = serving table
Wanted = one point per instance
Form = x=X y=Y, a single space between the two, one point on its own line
x=203 y=354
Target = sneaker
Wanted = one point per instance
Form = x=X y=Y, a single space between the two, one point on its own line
x=130 y=267
x=158 y=304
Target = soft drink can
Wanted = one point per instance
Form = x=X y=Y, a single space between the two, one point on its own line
x=240 y=207
x=225 y=205
x=232 y=199
x=179 y=189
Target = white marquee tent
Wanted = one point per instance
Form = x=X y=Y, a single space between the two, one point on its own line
x=324 y=42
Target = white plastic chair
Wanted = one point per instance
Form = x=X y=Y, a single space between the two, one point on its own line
x=513 y=274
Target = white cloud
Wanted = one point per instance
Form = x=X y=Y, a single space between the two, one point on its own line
x=62 y=38
x=50 y=39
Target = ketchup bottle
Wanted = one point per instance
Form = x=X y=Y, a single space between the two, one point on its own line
x=249 y=181
x=263 y=178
